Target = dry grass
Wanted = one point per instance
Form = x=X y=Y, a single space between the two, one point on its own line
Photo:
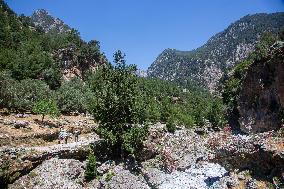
x=35 y=134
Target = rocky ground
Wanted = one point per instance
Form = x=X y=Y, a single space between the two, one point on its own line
x=184 y=159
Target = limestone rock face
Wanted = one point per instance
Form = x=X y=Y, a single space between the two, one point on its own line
x=262 y=96
x=72 y=65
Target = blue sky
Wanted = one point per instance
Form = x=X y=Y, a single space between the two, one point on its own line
x=143 y=29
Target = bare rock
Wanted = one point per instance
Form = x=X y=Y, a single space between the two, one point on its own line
x=54 y=173
x=21 y=124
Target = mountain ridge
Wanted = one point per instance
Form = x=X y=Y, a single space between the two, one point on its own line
x=207 y=64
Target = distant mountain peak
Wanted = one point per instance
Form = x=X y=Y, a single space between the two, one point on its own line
x=41 y=11
x=48 y=23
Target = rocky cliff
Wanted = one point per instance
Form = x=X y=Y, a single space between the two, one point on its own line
x=48 y=23
x=207 y=64
x=74 y=56
x=261 y=99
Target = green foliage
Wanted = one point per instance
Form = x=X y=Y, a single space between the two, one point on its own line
x=119 y=104
x=216 y=114
x=74 y=96
x=91 y=167
x=133 y=139
x=171 y=127
x=109 y=175
x=21 y=95
x=52 y=77
x=46 y=107
x=185 y=106
x=262 y=47
x=29 y=56
x=30 y=61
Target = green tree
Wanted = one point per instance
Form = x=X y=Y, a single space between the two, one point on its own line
x=46 y=107
x=21 y=95
x=74 y=96
x=91 y=167
x=30 y=60
x=119 y=103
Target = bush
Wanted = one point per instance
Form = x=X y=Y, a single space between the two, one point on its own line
x=171 y=127
x=46 y=107
x=28 y=91
x=109 y=175
x=133 y=139
x=74 y=96
x=6 y=89
x=91 y=167
x=21 y=95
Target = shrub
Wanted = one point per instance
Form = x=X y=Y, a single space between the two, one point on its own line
x=91 y=167
x=74 y=96
x=46 y=107
x=109 y=175
x=171 y=127
x=21 y=95
x=133 y=139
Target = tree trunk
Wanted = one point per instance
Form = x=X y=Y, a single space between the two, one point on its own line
x=42 y=118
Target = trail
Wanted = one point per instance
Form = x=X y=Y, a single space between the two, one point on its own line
x=61 y=150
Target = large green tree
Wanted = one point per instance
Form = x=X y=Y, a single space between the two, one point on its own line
x=119 y=106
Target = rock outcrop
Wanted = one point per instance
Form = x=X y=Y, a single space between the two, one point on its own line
x=261 y=99
x=21 y=161
x=48 y=23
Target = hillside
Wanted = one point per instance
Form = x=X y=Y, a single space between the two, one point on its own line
x=43 y=47
x=208 y=63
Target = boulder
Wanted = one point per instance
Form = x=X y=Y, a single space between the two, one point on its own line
x=21 y=124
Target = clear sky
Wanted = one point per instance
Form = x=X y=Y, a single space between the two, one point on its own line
x=144 y=28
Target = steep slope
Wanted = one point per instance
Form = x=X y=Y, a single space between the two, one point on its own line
x=253 y=90
x=207 y=64
x=261 y=98
x=48 y=23
x=43 y=47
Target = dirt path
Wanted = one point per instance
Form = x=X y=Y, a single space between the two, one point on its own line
x=55 y=149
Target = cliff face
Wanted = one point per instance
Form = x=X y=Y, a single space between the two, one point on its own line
x=261 y=99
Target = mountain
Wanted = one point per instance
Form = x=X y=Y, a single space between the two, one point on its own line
x=48 y=23
x=141 y=73
x=207 y=64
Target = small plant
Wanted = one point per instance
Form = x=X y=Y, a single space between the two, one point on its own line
x=171 y=127
x=33 y=174
x=109 y=175
x=91 y=168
